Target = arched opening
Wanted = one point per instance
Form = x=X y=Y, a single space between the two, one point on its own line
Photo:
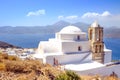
x=100 y=48
x=78 y=37
x=90 y=34
x=79 y=48
x=98 y=35
x=96 y=49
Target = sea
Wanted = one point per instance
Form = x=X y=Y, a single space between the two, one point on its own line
x=32 y=41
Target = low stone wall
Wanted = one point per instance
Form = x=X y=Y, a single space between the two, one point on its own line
x=104 y=71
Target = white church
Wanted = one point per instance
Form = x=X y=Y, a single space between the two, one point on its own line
x=72 y=49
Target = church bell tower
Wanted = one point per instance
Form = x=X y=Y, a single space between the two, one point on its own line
x=95 y=36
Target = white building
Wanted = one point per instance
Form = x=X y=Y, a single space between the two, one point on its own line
x=72 y=49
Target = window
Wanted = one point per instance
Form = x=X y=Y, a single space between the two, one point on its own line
x=79 y=48
x=55 y=62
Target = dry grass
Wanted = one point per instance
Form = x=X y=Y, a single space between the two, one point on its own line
x=26 y=69
x=5 y=56
x=2 y=67
x=13 y=68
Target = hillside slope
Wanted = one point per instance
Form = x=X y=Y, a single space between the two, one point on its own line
x=6 y=45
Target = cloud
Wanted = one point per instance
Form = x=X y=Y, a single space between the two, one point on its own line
x=72 y=17
x=105 y=18
x=68 y=17
x=95 y=15
x=36 y=13
x=106 y=13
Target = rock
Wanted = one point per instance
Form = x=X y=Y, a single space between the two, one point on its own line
x=6 y=45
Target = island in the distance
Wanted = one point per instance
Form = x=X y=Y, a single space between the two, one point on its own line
x=110 y=31
x=7 y=45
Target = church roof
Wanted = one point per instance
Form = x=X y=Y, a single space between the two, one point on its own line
x=95 y=24
x=70 y=29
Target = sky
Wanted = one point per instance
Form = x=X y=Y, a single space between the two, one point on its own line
x=47 y=12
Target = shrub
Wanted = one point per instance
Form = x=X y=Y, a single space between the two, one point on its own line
x=43 y=77
x=21 y=78
x=62 y=76
x=8 y=57
x=0 y=52
x=25 y=66
x=2 y=66
x=68 y=75
x=12 y=58
x=72 y=75
x=5 y=56
x=14 y=66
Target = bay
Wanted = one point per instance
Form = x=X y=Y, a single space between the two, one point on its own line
x=25 y=40
x=32 y=41
x=113 y=44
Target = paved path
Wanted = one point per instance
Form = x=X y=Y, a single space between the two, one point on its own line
x=105 y=71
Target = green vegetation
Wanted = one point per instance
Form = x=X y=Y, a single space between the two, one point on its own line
x=68 y=75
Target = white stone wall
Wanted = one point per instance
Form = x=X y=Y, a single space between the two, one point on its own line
x=68 y=59
x=50 y=47
x=56 y=45
x=107 y=56
x=104 y=71
x=72 y=36
x=57 y=35
x=73 y=46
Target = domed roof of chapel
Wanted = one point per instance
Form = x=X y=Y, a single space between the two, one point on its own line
x=70 y=29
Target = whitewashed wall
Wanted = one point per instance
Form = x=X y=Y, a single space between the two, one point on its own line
x=107 y=56
x=54 y=45
x=72 y=36
x=51 y=46
x=73 y=46
x=68 y=59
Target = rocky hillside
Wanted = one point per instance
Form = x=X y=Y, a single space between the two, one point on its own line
x=13 y=68
x=6 y=45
